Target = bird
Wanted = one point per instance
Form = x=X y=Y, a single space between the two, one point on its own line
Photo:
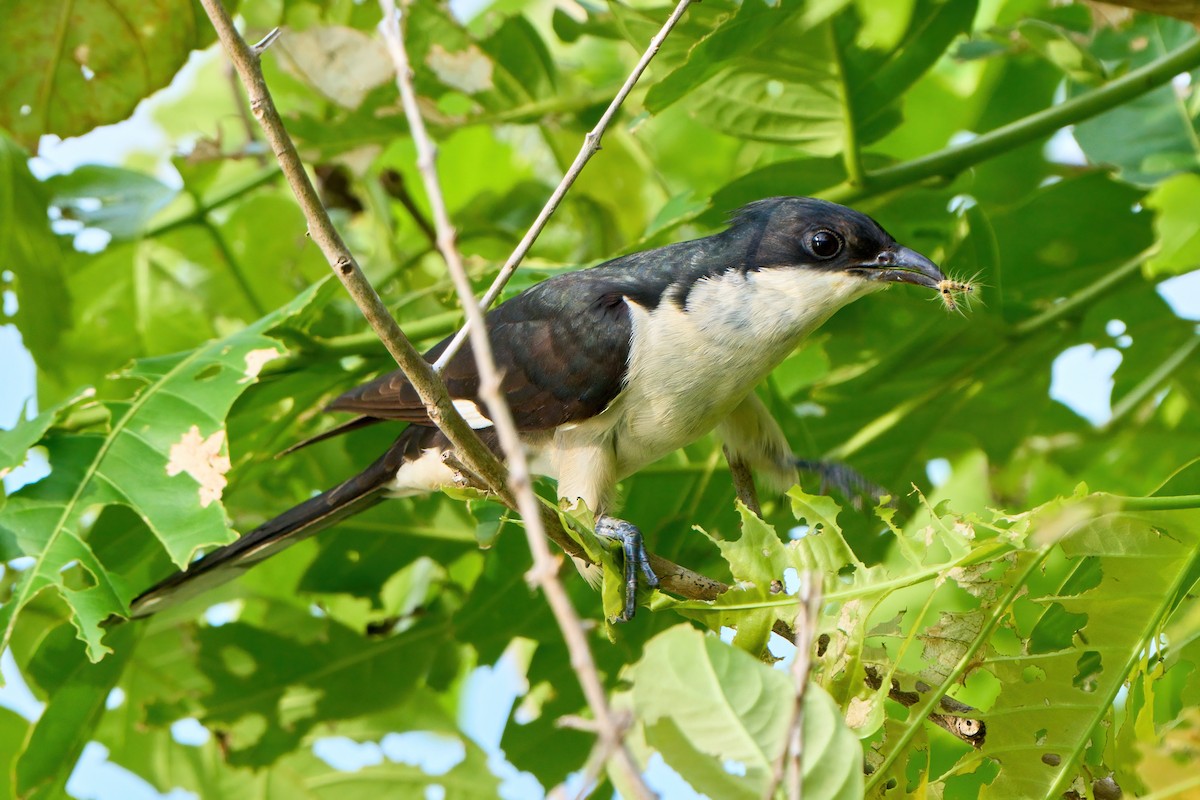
x=610 y=368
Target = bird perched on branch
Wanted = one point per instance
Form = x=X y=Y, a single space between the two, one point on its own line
x=610 y=368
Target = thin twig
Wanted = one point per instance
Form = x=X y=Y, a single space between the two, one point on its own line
x=430 y=389
x=392 y=182
x=952 y=160
x=1151 y=383
x=589 y=776
x=474 y=454
x=959 y=720
x=743 y=482
x=545 y=565
x=789 y=765
x=243 y=114
x=235 y=268
x=591 y=143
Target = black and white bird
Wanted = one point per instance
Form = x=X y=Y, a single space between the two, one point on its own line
x=610 y=368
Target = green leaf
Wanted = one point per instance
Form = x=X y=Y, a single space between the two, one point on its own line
x=1154 y=135
x=16 y=442
x=165 y=457
x=269 y=690
x=1177 y=230
x=116 y=200
x=699 y=699
x=759 y=563
x=32 y=252
x=798 y=101
x=771 y=74
x=77 y=692
x=13 y=732
x=1061 y=48
x=1055 y=703
x=76 y=64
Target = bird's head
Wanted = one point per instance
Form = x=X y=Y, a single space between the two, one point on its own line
x=816 y=234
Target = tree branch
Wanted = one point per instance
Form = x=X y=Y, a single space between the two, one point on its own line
x=743 y=482
x=957 y=719
x=545 y=566
x=591 y=143
x=200 y=211
x=430 y=389
x=953 y=160
x=1084 y=296
x=935 y=696
x=476 y=457
x=789 y=764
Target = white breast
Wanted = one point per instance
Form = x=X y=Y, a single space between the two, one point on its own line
x=690 y=367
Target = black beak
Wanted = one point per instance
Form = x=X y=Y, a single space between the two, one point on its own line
x=902 y=265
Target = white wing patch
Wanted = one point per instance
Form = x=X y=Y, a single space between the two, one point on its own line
x=203 y=460
x=424 y=474
x=472 y=414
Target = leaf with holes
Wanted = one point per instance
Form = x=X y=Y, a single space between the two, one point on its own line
x=164 y=456
x=69 y=66
x=1127 y=573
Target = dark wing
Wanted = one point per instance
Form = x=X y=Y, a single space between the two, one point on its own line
x=561 y=347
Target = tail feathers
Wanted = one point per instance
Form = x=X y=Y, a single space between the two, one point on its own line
x=312 y=516
x=337 y=430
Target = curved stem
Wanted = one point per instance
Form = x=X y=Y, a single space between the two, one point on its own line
x=851 y=154
x=1151 y=382
x=1179 y=502
x=235 y=268
x=900 y=746
x=591 y=145
x=1082 y=297
x=200 y=211
x=952 y=160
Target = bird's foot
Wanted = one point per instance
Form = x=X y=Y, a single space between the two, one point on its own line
x=846 y=480
x=635 y=557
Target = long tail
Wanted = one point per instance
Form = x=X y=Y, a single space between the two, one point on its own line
x=312 y=516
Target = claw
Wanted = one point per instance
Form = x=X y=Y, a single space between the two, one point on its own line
x=635 y=558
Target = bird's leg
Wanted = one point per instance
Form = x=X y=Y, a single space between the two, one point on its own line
x=743 y=482
x=635 y=556
x=848 y=481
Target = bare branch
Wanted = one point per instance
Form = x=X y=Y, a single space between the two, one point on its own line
x=431 y=390
x=475 y=457
x=957 y=719
x=545 y=565
x=789 y=764
x=1186 y=10
x=743 y=482
x=393 y=183
x=591 y=144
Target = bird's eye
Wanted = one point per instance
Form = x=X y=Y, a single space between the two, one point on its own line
x=826 y=244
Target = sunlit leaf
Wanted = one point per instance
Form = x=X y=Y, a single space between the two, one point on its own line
x=77 y=690
x=699 y=699
x=164 y=456
x=118 y=201
x=33 y=254
x=74 y=65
